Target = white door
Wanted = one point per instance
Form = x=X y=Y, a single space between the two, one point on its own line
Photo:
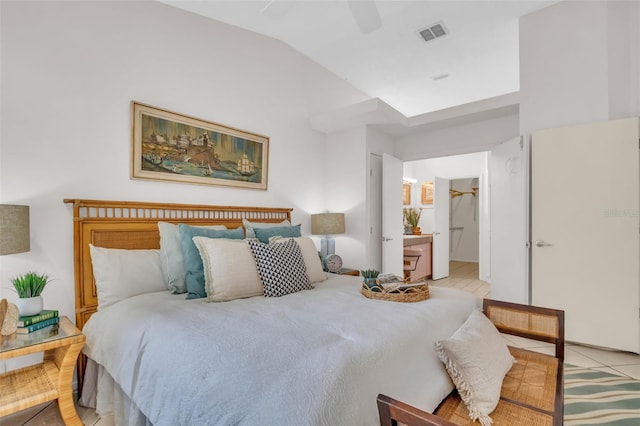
x=509 y=192
x=441 y=237
x=584 y=228
x=392 y=219
x=375 y=212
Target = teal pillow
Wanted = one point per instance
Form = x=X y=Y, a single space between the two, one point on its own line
x=194 y=271
x=263 y=234
x=171 y=255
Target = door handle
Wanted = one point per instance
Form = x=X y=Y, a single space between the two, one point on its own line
x=385 y=239
x=436 y=233
x=540 y=243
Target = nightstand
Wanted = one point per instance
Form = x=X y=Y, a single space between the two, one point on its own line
x=48 y=381
x=347 y=271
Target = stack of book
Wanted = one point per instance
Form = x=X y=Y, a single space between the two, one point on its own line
x=44 y=319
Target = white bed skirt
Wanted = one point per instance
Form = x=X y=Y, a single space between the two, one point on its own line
x=101 y=392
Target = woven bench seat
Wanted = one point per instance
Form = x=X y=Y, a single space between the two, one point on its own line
x=531 y=383
x=532 y=391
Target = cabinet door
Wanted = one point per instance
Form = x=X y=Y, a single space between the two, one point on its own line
x=584 y=224
x=428 y=259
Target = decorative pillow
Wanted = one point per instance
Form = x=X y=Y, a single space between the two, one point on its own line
x=263 y=234
x=250 y=226
x=171 y=255
x=120 y=274
x=194 y=273
x=477 y=359
x=229 y=269
x=280 y=267
x=310 y=255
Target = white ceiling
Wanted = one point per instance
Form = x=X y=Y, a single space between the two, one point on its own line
x=393 y=62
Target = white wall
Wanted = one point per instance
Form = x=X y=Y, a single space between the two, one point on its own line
x=438 y=141
x=346 y=188
x=69 y=71
x=451 y=167
x=455 y=167
x=579 y=64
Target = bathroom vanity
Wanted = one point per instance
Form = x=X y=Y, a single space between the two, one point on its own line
x=417 y=256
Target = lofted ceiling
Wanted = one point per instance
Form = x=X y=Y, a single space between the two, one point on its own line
x=377 y=46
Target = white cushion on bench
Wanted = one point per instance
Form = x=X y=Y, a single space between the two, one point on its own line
x=477 y=359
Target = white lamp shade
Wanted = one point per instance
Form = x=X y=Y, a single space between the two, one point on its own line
x=327 y=223
x=14 y=229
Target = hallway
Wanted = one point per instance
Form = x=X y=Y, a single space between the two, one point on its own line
x=464 y=276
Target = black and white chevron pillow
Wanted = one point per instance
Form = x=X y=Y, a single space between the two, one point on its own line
x=281 y=267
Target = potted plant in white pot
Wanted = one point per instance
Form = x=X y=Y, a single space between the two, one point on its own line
x=29 y=288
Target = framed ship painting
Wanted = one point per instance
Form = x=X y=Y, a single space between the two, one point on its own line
x=168 y=146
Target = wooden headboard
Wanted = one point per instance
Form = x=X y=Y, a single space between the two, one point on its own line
x=133 y=225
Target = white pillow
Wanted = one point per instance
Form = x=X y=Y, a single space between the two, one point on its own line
x=248 y=226
x=477 y=359
x=230 y=270
x=120 y=274
x=171 y=256
x=310 y=256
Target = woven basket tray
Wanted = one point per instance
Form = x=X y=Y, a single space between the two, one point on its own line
x=412 y=294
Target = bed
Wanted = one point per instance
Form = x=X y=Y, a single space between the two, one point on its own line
x=314 y=357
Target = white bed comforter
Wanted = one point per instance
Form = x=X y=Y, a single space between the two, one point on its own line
x=318 y=357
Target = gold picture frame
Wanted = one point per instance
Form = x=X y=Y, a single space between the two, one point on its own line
x=168 y=146
x=427 y=193
x=406 y=193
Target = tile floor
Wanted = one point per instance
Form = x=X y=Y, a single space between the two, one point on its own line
x=463 y=276
x=47 y=414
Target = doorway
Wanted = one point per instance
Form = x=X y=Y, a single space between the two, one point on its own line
x=586 y=246
x=464 y=228
x=502 y=214
x=465 y=231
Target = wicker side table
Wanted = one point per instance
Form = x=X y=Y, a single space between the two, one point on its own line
x=48 y=381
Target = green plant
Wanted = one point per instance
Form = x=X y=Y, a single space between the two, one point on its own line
x=412 y=216
x=370 y=273
x=30 y=284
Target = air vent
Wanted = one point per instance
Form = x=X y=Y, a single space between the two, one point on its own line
x=433 y=32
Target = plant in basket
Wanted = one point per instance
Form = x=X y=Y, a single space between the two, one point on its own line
x=371 y=279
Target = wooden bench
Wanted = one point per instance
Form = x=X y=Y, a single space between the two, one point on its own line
x=532 y=391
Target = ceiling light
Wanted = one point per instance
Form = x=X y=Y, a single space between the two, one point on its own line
x=439 y=76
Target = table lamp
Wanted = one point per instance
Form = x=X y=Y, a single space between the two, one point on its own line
x=327 y=224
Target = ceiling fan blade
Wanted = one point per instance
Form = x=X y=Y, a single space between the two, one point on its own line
x=276 y=9
x=366 y=15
